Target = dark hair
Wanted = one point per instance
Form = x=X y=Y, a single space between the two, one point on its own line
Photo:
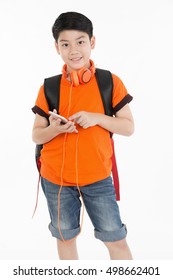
x=72 y=20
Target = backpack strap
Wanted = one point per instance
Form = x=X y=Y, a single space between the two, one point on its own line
x=52 y=91
x=52 y=94
x=105 y=84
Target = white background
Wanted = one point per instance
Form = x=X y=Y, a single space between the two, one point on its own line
x=133 y=40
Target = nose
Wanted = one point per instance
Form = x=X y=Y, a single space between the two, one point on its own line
x=73 y=49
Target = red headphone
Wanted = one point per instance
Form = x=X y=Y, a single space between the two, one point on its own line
x=82 y=76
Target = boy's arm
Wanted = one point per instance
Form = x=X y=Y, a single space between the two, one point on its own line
x=44 y=132
x=122 y=123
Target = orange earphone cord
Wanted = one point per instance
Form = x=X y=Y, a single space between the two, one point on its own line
x=62 y=168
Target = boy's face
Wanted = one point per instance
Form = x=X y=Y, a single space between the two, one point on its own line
x=75 y=48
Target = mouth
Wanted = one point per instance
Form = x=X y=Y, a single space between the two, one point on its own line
x=76 y=59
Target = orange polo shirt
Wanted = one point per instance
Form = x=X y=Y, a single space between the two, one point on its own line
x=84 y=157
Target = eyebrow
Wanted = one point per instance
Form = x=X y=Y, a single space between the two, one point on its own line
x=81 y=37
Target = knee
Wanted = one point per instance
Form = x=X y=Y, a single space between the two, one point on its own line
x=67 y=249
x=116 y=245
x=67 y=243
x=119 y=250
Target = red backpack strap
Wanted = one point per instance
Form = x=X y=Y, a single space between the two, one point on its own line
x=115 y=172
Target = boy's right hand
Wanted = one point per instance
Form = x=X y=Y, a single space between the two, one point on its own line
x=69 y=127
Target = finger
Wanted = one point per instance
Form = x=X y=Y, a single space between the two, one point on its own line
x=71 y=118
x=58 y=121
x=85 y=126
x=80 y=120
x=72 y=128
x=68 y=125
x=51 y=118
x=74 y=117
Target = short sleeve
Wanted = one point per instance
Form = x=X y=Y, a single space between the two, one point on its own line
x=120 y=95
x=41 y=106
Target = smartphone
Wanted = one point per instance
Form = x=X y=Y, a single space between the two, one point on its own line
x=56 y=116
x=63 y=120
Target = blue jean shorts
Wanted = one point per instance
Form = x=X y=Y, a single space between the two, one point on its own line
x=100 y=203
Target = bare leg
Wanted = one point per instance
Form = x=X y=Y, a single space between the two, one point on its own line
x=119 y=250
x=67 y=250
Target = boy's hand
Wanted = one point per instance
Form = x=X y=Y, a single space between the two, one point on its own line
x=85 y=119
x=54 y=121
x=69 y=127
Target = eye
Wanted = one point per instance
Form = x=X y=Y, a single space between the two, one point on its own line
x=81 y=42
x=65 y=45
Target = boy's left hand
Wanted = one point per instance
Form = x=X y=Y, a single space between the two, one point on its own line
x=85 y=119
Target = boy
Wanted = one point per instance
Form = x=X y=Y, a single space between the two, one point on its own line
x=76 y=156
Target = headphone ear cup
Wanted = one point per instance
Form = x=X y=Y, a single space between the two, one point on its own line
x=84 y=75
x=64 y=71
x=74 y=78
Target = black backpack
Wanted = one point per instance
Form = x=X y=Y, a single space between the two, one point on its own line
x=105 y=84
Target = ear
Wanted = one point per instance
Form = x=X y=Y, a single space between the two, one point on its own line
x=93 y=41
x=57 y=48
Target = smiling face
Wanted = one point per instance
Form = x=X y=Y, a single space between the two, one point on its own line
x=75 y=48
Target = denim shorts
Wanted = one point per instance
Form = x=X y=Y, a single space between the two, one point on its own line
x=100 y=203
